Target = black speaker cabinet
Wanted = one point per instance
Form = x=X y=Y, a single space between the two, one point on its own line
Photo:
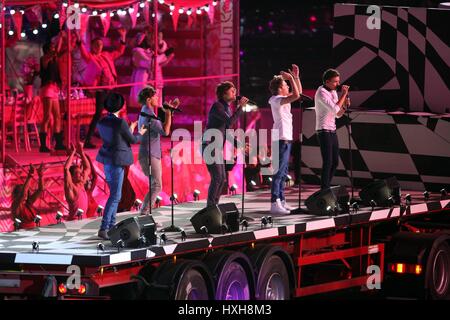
x=328 y=201
x=131 y=229
x=380 y=191
x=214 y=218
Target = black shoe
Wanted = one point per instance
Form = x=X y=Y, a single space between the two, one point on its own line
x=43 y=139
x=59 y=141
x=103 y=234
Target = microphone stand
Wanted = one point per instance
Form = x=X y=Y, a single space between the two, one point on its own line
x=172 y=227
x=242 y=217
x=349 y=131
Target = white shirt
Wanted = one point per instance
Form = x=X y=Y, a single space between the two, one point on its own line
x=326 y=108
x=282 y=117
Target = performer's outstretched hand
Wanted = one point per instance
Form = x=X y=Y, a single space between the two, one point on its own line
x=243 y=101
x=286 y=76
x=133 y=126
x=295 y=72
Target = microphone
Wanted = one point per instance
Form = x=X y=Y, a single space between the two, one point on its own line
x=250 y=102
x=150 y=116
x=307 y=98
x=168 y=107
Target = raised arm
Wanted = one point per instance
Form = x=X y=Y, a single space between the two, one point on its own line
x=121 y=49
x=295 y=72
x=68 y=183
x=295 y=93
x=84 y=161
x=32 y=199
x=93 y=174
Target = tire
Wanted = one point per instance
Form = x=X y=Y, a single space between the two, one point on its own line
x=438 y=273
x=273 y=280
x=191 y=286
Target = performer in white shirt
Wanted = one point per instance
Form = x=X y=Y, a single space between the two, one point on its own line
x=328 y=107
x=280 y=103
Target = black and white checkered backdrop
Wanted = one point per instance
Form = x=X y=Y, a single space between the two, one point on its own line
x=403 y=64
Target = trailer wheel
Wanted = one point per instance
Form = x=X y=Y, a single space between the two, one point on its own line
x=273 y=280
x=438 y=272
x=233 y=275
x=184 y=280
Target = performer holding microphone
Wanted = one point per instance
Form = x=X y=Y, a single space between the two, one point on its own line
x=221 y=118
x=115 y=154
x=328 y=107
x=149 y=100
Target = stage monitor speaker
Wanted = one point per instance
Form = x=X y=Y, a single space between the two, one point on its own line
x=380 y=191
x=330 y=201
x=217 y=219
x=131 y=229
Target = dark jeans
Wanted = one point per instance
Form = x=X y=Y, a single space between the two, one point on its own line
x=218 y=181
x=329 y=148
x=279 y=178
x=100 y=97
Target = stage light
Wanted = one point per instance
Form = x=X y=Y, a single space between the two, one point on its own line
x=62 y=288
x=198 y=11
x=183 y=235
x=120 y=244
x=100 y=247
x=214 y=3
x=206 y=8
x=233 y=188
x=56 y=16
x=12 y=12
x=35 y=246
x=65 y=4
x=100 y=211
x=391 y=201
x=37 y=220
x=80 y=213
x=313 y=18
x=44 y=26
x=269 y=220
x=204 y=230
x=174 y=198
x=253 y=183
x=408 y=199
x=162 y=238
x=189 y=12
x=224 y=228
x=142 y=240
x=141 y=5
x=82 y=289
x=103 y=15
x=59 y=216
x=137 y=204
x=270 y=179
x=264 y=222
x=158 y=201
x=426 y=195
x=172 y=7
x=22 y=11
x=84 y=9
x=138 y=14
x=244 y=224
x=17 y=223
x=355 y=207
x=196 y=194
x=11 y=33
x=161 y=1
x=153 y=15
x=95 y=12
x=111 y=14
x=443 y=193
x=181 y=11
x=35 y=31
x=130 y=10
x=76 y=5
x=373 y=204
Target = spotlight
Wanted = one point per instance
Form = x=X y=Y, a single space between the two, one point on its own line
x=443 y=193
x=196 y=195
x=198 y=11
x=181 y=11
x=22 y=11
x=76 y=5
x=161 y=1
x=408 y=199
x=138 y=14
x=158 y=201
x=120 y=244
x=244 y=224
x=111 y=14
x=95 y=12
x=11 y=33
x=264 y=222
x=100 y=211
x=84 y=9
x=59 y=216
x=100 y=247
x=35 y=31
x=206 y=8
x=142 y=5
x=214 y=3
x=65 y=4
x=373 y=204
x=269 y=220
x=183 y=235
x=233 y=188
x=35 y=246
x=23 y=35
x=253 y=183
x=174 y=198
x=224 y=228
x=44 y=26
x=37 y=220
x=142 y=241
x=80 y=213
x=270 y=179
x=391 y=201
x=162 y=238
x=172 y=7
x=426 y=195
x=137 y=204
x=189 y=12
x=204 y=230
x=17 y=223
x=12 y=11
x=56 y=16
x=130 y=10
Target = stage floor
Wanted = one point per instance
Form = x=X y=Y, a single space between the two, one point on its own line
x=75 y=242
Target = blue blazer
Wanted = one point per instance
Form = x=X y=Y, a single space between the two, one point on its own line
x=117 y=140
